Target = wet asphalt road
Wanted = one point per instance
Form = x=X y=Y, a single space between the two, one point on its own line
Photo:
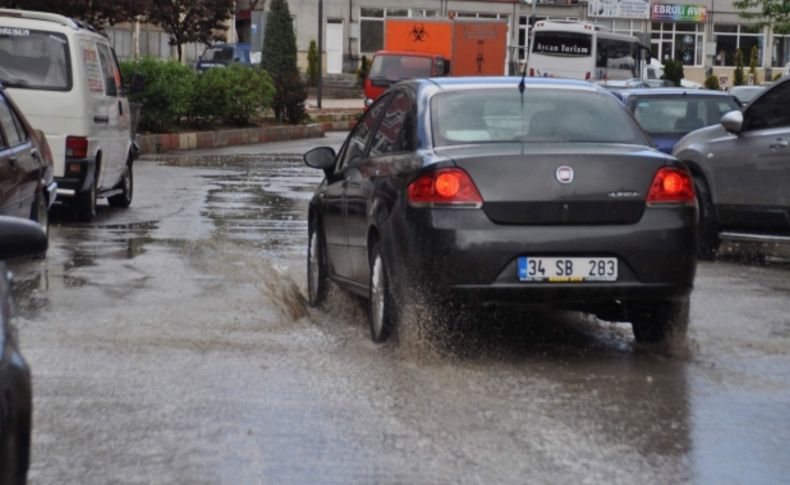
x=170 y=343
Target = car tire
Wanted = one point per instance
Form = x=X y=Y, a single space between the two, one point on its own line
x=317 y=281
x=708 y=230
x=124 y=199
x=382 y=312
x=658 y=323
x=85 y=204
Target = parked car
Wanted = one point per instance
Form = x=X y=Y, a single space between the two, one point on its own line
x=18 y=237
x=467 y=189
x=746 y=94
x=65 y=78
x=667 y=114
x=27 y=182
x=223 y=55
x=741 y=170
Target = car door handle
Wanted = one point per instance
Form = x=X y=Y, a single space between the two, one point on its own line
x=13 y=161
x=34 y=154
x=120 y=108
x=101 y=119
x=345 y=184
x=780 y=143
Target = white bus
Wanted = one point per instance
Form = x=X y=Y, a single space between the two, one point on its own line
x=581 y=50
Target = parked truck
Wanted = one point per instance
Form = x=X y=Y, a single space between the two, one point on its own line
x=418 y=47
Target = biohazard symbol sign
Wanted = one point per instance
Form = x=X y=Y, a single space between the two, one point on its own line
x=418 y=33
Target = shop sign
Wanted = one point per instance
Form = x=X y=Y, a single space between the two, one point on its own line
x=619 y=9
x=669 y=12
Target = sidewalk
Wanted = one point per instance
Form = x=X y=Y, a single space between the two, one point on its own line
x=335 y=104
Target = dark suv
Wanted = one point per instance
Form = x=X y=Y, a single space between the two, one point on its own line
x=741 y=171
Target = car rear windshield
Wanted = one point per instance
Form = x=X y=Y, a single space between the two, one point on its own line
x=544 y=115
x=395 y=68
x=682 y=113
x=218 y=54
x=34 y=59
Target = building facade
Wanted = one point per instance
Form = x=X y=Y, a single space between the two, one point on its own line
x=703 y=34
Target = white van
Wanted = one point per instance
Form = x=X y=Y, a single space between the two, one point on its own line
x=65 y=78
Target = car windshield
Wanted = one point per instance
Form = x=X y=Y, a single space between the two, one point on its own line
x=34 y=59
x=545 y=115
x=400 y=67
x=682 y=113
x=217 y=54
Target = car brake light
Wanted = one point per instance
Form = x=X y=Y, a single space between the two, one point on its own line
x=671 y=186
x=76 y=147
x=451 y=187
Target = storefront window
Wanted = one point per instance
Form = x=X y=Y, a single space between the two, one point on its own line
x=780 y=51
x=729 y=38
x=682 y=41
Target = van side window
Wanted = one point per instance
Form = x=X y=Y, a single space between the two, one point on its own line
x=108 y=71
x=12 y=127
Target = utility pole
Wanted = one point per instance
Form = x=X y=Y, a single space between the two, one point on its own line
x=320 y=52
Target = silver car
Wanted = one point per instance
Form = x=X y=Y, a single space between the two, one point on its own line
x=741 y=171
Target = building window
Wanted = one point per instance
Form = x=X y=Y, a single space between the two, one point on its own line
x=680 y=41
x=729 y=38
x=780 y=50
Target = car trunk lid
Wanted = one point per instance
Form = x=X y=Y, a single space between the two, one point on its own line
x=520 y=184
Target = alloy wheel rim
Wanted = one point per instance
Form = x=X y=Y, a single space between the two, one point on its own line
x=377 y=296
x=313 y=267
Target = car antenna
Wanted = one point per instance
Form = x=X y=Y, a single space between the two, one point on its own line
x=522 y=85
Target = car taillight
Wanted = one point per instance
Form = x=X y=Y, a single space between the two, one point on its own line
x=671 y=186
x=76 y=147
x=450 y=187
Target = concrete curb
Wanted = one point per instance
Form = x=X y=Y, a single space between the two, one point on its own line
x=167 y=142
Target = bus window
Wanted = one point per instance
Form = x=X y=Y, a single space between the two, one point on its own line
x=565 y=44
x=617 y=57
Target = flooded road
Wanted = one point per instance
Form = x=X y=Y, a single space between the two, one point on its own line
x=170 y=343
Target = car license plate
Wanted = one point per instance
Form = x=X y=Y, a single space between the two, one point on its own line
x=566 y=270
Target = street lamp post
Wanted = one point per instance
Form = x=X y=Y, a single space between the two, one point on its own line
x=320 y=52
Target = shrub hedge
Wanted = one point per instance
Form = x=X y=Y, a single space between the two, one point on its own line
x=172 y=92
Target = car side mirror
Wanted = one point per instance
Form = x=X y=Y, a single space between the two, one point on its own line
x=21 y=237
x=322 y=158
x=733 y=122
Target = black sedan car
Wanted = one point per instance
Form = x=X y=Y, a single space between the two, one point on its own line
x=18 y=237
x=27 y=183
x=490 y=191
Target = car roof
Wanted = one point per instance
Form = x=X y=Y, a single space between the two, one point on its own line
x=627 y=93
x=466 y=82
x=47 y=22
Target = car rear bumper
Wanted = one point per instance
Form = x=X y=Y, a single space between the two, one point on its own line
x=75 y=182
x=463 y=253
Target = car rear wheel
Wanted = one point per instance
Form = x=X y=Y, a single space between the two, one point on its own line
x=317 y=283
x=656 y=323
x=708 y=231
x=85 y=204
x=124 y=199
x=382 y=314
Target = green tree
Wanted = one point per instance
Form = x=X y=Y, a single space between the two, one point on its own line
x=738 y=78
x=364 y=69
x=191 y=20
x=712 y=82
x=673 y=71
x=312 y=64
x=775 y=13
x=753 y=64
x=279 y=59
